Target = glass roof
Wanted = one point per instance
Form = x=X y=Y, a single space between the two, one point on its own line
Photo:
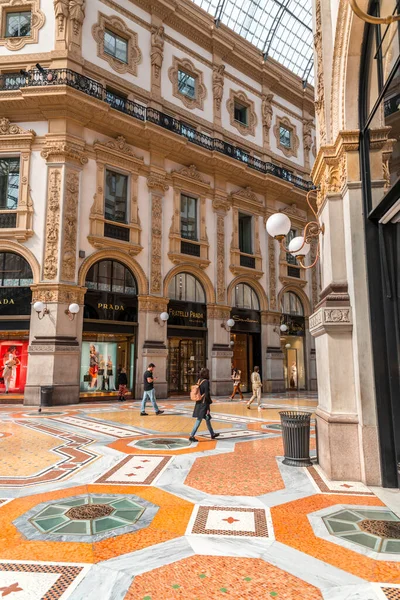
x=281 y=29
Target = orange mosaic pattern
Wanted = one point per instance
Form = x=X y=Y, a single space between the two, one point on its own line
x=170 y=522
x=167 y=422
x=213 y=577
x=293 y=528
x=250 y=470
x=26 y=452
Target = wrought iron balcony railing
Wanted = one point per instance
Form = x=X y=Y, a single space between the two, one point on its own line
x=90 y=87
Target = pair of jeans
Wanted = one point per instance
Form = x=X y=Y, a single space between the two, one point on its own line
x=151 y=395
x=198 y=423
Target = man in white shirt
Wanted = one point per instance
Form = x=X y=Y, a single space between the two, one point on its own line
x=256 y=386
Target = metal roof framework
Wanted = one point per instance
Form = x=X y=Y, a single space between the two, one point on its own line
x=281 y=29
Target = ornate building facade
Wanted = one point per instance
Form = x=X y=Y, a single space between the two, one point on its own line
x=142 y=150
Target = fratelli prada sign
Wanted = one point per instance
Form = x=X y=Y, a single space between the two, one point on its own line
x=15 y=301
x=107 y=306
x=187 y=314
x=246 y=320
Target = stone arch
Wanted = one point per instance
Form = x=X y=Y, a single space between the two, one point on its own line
x=346 y=68
x=122 y=257
x=8 y=246
x=254 y=284
x=300 y=293
x=198 y=273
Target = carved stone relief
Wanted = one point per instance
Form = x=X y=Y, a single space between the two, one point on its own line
x=218 y=86
x=156 y=244
x=50 y=269
x=157 y=50
x=221 y=287
x=320 y=101
x=272 y=273
x=70 y=224
x=267 y=112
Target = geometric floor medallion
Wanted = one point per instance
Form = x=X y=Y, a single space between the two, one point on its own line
x=162 y=444
x=87 y=518
x=226 y=521
x=376 y=530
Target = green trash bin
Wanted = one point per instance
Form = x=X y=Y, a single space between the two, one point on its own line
x=296 y=438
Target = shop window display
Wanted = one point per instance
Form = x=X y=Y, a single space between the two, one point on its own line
x=14 y=363
x=99 y=366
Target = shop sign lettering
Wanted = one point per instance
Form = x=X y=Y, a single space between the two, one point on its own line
x=110 y=306
x=187 y=314
x=246 y=320
x=7 y=301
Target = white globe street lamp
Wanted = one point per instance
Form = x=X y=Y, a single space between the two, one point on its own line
x=279 y=225
x=40 y=309
x=72 y=310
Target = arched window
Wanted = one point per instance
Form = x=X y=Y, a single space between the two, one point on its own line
x=187 y=288
x=292 y=305
x=111 y=276
x=245 y=297
x=14 y=270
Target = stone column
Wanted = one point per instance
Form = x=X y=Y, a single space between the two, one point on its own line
x=151 y=343
x=55 y=335
x=346 y=413
x=219 y=350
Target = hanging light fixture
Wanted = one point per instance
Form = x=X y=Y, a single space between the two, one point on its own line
x=279 y=225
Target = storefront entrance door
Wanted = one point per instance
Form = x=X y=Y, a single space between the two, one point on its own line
x=186 y=357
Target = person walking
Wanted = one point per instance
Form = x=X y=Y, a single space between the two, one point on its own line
x=149 y=391
x=237 y=382
x=256 y=387
x=122 y=383
x=202 y=407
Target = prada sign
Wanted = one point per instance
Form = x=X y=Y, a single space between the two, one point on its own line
x=187 y=314
x=107 y=306
x=15 y=301
x=246 y=320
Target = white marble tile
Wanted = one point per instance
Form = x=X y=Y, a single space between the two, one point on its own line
x=102 y=584
x=354 y=592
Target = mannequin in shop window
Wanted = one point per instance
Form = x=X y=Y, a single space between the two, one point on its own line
x=10 y=363
x=293 y=375
x=110 y=375
x=100 y=377
x=93 y=365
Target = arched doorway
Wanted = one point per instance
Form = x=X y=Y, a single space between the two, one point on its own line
x=16 y=277
x=293 y=341
x=246 y=333
x=109 y=327
x=187 y=332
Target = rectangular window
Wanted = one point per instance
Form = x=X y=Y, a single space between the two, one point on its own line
x=186 y=84
x=188 y=217
x=116 y=46
x=116 y=196
x=285 y=137
x=9 y=183
x=240 y=113
x=245 y=234
x=289 y=257
x=18 y=24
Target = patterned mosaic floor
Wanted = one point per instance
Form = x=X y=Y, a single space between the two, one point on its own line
x=97 y=502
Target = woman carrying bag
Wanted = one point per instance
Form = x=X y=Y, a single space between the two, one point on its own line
x=201 y=394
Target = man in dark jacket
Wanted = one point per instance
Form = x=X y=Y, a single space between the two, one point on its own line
x=202 y=407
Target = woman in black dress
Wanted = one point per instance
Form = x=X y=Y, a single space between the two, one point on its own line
x=202 y=408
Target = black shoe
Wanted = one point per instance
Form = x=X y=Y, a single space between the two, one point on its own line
x=144 y=414
x=215 y=436
x=193 y=439
x=160 y=412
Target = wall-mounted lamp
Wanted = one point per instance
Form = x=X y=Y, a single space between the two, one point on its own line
x=41 y=309
x=371 y=19
x=72 y=310
x=287 y=346
x=228 y=325
x=279 y=225
x=282 y=328
x=162 y=319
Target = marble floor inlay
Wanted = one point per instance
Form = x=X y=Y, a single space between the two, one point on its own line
x=99 y=502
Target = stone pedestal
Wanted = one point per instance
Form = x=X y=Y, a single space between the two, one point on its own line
x=54 y=353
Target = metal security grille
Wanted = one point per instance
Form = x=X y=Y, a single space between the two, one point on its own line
x=189 y=248
x=247 y=261
x=116 y=232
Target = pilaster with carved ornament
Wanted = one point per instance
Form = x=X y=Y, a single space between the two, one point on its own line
x=157 y=185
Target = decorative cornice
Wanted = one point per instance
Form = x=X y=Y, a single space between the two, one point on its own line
x=335 y=320
x=64 y=151
x=157 y=182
